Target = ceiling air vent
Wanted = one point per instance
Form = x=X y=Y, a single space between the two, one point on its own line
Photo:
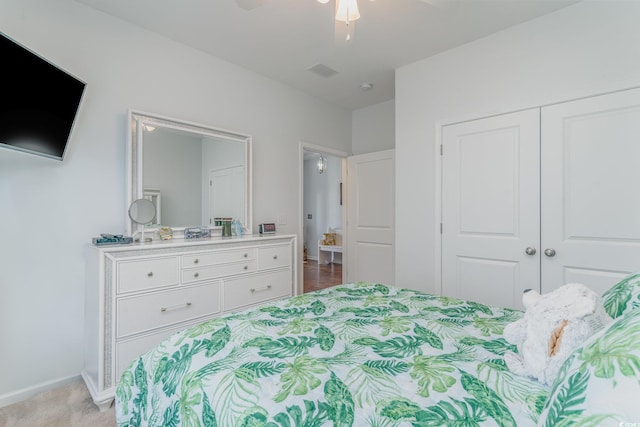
x=322 y=70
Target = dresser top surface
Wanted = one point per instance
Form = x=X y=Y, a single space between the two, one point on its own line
x=195 y=243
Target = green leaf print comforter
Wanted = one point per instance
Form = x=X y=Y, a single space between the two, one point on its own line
x=360 y=354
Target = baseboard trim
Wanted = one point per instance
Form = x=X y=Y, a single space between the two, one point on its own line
x=26 y=393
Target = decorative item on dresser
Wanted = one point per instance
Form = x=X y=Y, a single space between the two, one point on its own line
x=142 y=211
x=139 y=295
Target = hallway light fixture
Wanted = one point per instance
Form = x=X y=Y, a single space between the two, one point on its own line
x=322 y=164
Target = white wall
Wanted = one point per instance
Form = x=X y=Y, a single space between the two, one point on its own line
x=49 y=210
x=373 y=128
x=588 y=48
x=322 y=201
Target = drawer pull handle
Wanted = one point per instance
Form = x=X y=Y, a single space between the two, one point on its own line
x=150 y=274
x=246 y=255
x=195 y=261
x=266 y=288
x=246 y=267
x=173 y=307
x=196 y=275
x=275 y=257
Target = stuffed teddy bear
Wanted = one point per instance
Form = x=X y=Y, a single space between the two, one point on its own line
x=552 y=327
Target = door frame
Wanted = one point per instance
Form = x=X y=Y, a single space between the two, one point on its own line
x=439 y=124
x=321 y=149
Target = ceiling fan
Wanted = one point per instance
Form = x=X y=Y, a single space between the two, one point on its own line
x=252 y=4
x=346 y=10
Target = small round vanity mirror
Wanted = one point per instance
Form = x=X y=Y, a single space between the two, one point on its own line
x=142 y=211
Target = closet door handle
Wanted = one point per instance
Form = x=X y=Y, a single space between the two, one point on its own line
x=530 y=251
x=550 y=252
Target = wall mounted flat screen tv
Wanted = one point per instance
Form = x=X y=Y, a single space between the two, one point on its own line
x=38 y=102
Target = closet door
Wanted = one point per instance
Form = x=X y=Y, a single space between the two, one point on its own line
x=490 y=208
x=590 y=182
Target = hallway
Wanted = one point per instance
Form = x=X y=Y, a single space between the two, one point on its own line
x=322 y=276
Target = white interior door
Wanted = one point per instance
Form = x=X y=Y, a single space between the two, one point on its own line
x=371 y=217
x=591 y=190
x=490 y=208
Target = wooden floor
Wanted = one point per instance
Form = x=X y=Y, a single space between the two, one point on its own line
x=321 y=276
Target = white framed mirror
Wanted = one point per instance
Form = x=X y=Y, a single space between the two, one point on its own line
x=196 y=175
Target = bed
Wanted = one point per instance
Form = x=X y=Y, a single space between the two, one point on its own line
x=368 y=354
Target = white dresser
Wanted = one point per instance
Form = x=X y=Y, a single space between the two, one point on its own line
x=138 y=295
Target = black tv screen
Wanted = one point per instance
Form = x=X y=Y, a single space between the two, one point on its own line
x=38 y=102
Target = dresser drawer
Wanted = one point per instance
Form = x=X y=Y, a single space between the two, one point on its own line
x=164 y=308
x=274 y=257
x=145 y=274
x=127 y=351
x=220 y=257
x=190 y=275
x=246 y=291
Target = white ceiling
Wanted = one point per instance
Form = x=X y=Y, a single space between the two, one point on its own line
x=281 y=39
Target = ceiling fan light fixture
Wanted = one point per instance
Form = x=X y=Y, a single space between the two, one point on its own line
x=347 y=11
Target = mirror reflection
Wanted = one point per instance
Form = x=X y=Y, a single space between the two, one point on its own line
x=142 y=211
x=194 y=175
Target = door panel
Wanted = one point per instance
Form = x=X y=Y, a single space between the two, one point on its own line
x=372 y=262
x=484 y=280
x=598 y=280
x=488 y=184
x=590 y=156
x=490 y=208
x=371 y=217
